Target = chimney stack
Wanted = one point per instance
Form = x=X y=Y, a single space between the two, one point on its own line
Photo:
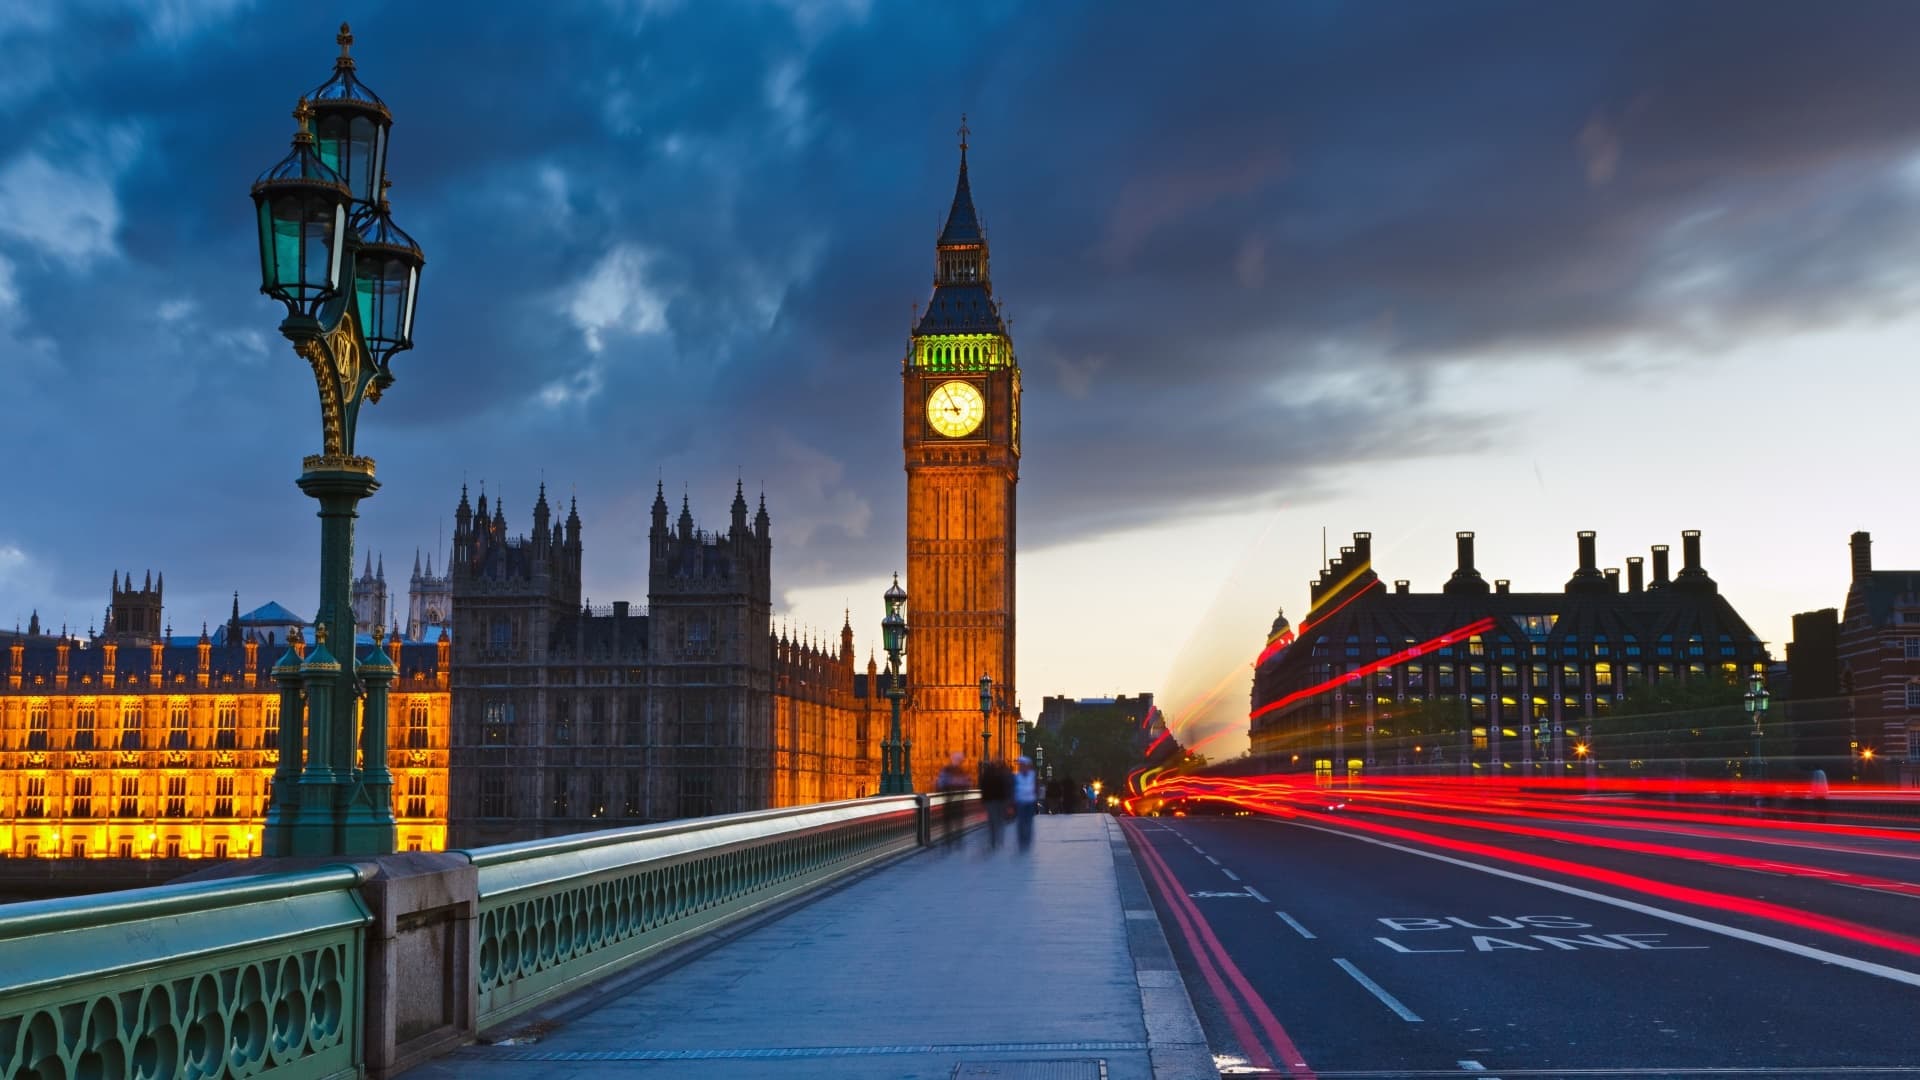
x=1465 y=578
x=1587 y=578
x=1363 y=546
x=1501 y=585
x=1613 y=578
x=1862 y=545
x=1659 y=568
x=1401 y=586
x=1635 y=581
x=1692 y=575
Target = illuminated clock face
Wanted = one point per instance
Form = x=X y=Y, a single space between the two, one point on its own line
x=956 y=408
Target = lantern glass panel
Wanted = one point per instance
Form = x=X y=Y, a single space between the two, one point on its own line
x=351 y=146
x=334 y=248
x=380 y=297
x=413 y=292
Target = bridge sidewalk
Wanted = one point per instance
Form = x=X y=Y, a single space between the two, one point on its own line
x=938 y=965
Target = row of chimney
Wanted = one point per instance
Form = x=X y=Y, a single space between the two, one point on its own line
x=1588 y=577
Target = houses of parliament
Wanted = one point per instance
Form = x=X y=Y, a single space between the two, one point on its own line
x=522 y=710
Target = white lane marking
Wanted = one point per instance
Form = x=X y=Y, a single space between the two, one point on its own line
x=1295 y=923
x=1866 y=967
x=1471 y=1066
x=1230 y=873
x=1213 y=860
x=1378 y=991
x=1255 y=893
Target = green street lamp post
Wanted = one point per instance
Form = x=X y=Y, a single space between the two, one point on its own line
x=986 y=719
x=895 y=776
x=1756 y=700
x=348 y=276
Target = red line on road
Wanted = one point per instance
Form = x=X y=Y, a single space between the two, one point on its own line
x=1242 y=1029
x=1177 y=900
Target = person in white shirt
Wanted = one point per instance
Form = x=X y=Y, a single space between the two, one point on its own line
x=1026 y=801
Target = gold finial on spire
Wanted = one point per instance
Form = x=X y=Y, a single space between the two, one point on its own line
x=319 y=633
x=304 y=113
x=379 y=634
x=345 y=40
x=963 y=133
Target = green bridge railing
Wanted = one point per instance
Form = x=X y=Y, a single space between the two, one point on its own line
x=231 y=978
x=295 y=974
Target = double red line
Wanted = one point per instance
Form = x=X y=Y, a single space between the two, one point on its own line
x=1219 y=970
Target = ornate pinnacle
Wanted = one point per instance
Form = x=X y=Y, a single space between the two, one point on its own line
x=345 y=40
x=319 y=633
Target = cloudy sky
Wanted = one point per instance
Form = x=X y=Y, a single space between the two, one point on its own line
x=1272 y=267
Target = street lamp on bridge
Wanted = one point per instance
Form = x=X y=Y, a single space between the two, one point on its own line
x=986 y=718
x=1757 y=699
x=895 y=777
x=348 y=277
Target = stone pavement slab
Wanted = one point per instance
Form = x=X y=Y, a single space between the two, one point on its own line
x=969 y=962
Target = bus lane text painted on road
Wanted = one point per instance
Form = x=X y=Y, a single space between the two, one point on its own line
x=1516 y=933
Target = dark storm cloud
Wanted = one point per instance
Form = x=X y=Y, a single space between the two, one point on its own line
x=683 y=239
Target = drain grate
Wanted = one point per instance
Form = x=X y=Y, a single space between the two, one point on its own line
x=1081 y=1069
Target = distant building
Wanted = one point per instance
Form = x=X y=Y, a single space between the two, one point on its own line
x=1476 y=676
x=572 y=717
x=429 y=602
x=1055 y=711
x=1879 y=655
x=131 y=745
x=369 y=597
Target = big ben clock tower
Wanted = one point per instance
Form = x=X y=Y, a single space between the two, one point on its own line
x=962 y=438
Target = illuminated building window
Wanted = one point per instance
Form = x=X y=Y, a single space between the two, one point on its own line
x=597 y=795
x=177 y=726
x=417 y=796
x=1446 y=676
x=36 y=801
x=223 y=796
x=82 y=797
x=83 y=726
x=560 y=801
x=37 y=726
x=124 y=848
x=1603 y=676
x=1600 y=646
x=636 y=785
x=226 y=735
x=1477 y=709
x=1509 y=677
x=499 y=719
x=1477 y=675
x=1663 y=672
x=1570 y=676
x=176 y=796
x=1476 y=647
x=1539 y=708
x=417 y=735
x=270 y=726
x=133 y=715
x=1695 y=647
x=129 y=797
x=493 y=793
x=1696 y=669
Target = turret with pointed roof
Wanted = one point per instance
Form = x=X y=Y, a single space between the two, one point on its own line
x=962 y=301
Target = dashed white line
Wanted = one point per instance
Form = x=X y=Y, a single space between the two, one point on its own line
x=1471 y=1066
x=1255 y=893
x=1230 y=874
x=1295 y=923
x=1378 y=991
x=1213 y=860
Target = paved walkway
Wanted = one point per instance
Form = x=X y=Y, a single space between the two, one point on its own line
x=969 y=964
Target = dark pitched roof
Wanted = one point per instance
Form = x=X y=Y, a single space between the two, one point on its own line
x=963 y=224
x=961 y=309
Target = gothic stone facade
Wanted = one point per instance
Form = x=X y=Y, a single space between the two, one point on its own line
x=570 y=717
x=961 y=437
x=130 y=747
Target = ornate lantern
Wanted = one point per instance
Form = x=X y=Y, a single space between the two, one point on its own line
x=301 y=208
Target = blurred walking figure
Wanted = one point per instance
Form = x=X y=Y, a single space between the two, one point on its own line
x=1026 y=802
x=996 y=787
x=953 y=780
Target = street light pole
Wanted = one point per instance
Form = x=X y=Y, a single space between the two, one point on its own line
x=986 y=719
x=348 y=277
x=1757 y=699
x=895 y=776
